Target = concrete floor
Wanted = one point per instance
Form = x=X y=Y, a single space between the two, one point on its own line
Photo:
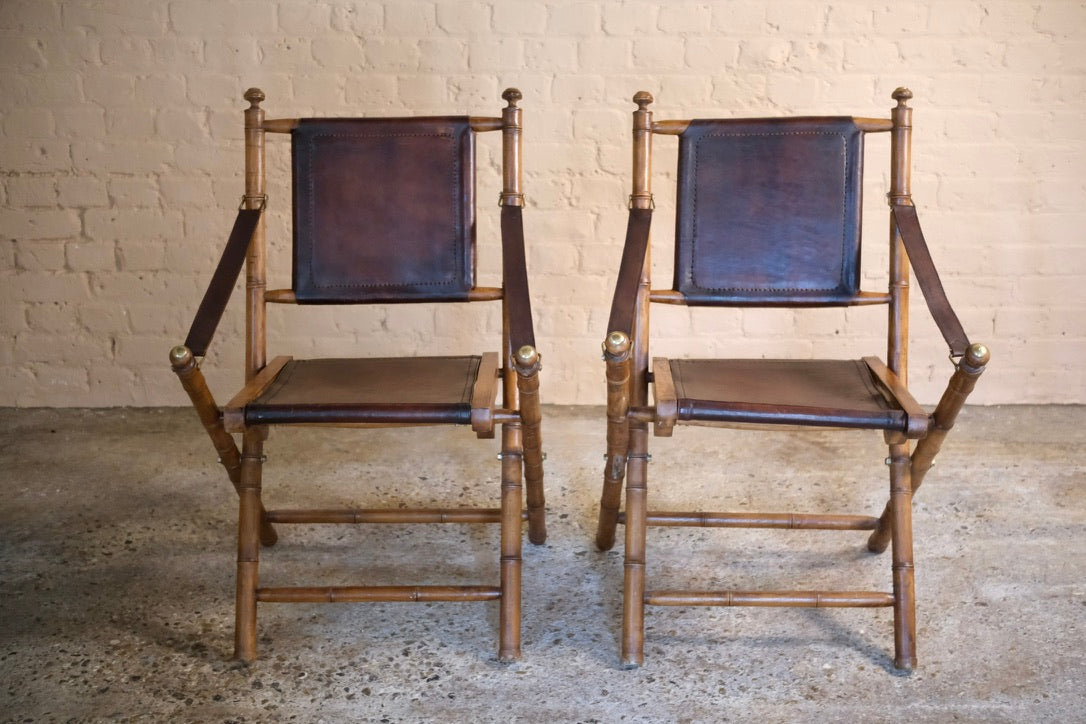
x=116 y=553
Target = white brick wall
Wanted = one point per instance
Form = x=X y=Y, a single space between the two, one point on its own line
x=120 y=165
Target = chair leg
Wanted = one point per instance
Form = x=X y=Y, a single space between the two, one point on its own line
x=511 y=502
x=633 y=589
x=249 y=524
x=901 y=497
x=195 y=385
x=946 y=412
x=528 y=390
x=617 y=355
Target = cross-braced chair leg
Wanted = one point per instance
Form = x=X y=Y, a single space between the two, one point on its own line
x=946 y=412
x=249 y=521
x=738 y=214
x=527 y=367
x=616 y=352
x=511 y=496
x=901 y=506
x=195 y=385
x=633 y=610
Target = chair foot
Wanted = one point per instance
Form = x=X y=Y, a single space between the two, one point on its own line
x=509 y=657
x=268 y=535
x=878 y=542
x=905 y=665
x=631 y=665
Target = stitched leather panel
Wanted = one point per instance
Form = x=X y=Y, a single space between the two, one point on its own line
x=769 y=211
x=413 y=389
x=836 y=393
x=384 y=209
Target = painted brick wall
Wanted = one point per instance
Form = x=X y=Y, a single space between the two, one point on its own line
x=121 y=158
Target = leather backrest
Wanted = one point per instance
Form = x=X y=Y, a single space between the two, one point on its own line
x=384 y=209
x=769 y=211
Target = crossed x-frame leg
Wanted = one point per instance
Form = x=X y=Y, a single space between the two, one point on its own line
x=627 y=457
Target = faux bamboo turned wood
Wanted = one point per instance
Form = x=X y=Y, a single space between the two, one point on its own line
x=795 y=599
x=378 y=594
x=194 y=384
x=633 y=587
x=616 y=353
x=249 y=514
x=901 y=542
x=528 y=366
x=946 y=412
x=641 y=198
x=783 y=521
x=388 y=515
x=897 y=346
x=286 y=125
x=511 y=503
x=523 y=363
x=255 y=262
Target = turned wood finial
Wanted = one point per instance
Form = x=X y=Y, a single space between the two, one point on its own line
x=642 y=99
x=901 y=95
x=254 y=96
x=512 y=95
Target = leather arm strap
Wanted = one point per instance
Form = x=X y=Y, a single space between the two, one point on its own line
x=629 y=272
x=515 y=277
x=908 y=225
x=222 y=282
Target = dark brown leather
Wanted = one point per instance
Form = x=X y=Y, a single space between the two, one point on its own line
x=412 y=389
x=835 y=393
x=515 y=278
x=769 y=211
x=218 y=291
x=629 y=272
x=908 y=224
x=384 y=209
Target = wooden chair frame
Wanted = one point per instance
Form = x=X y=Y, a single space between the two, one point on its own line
x=630 y=412
x=518 y=412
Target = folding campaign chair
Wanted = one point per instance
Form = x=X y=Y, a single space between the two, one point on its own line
x=768 y=215
x=384 y=211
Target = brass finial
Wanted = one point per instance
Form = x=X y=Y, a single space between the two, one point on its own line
x=512 y=95
x=901 y=95
x=642 y=99
x=977 y=355
x=527 y=356
x=616 y=344
x=180 y=356
x=255 y=96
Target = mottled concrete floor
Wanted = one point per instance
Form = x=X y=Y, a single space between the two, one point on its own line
x=116 y=555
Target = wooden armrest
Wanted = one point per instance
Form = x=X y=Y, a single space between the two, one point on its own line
x=918 y=422
x=483 y=396
x=234 y=411
x=663 y=392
